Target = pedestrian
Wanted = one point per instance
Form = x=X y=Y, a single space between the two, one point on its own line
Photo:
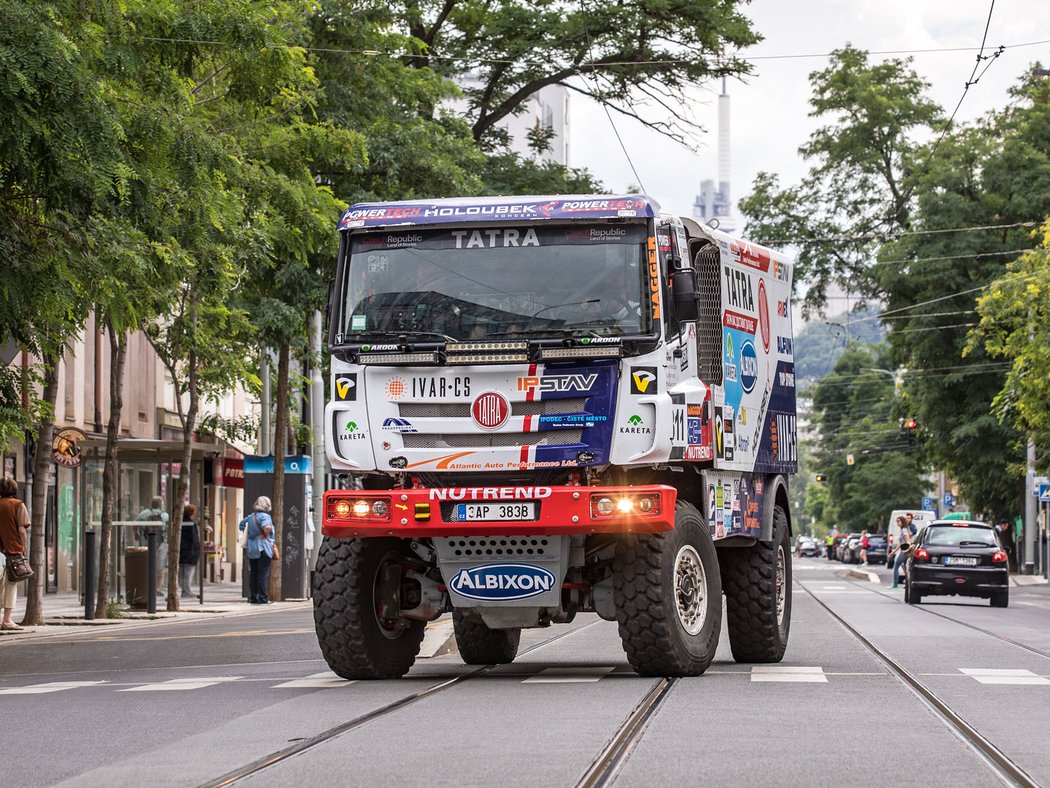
x=260 y=531
x=912 y=528
x=864 y=545
x=901 y=551
x=189 y=549
x=14 y=519
x=1005 y=534
x=156 y=514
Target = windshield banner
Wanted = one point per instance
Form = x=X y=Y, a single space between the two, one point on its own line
x=496 y=209
x=501 y=238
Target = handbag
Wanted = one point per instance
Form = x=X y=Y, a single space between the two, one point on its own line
x=18 y=568
x=276 y=552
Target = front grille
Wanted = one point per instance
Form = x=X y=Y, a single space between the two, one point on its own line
x=474 y=440
x=497 y=546
x=461 y=410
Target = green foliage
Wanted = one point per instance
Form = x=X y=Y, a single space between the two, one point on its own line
x=1015 y=325
x=856 y=415
x=857 y=192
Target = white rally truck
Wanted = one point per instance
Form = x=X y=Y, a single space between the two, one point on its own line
x=544 y=406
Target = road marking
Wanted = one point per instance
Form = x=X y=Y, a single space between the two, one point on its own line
x=315 y=681
x=51 y=686
x=833 y=588
x=248 y=633
x=178 y=685
x=570 y=675
x=788 y=673
x=1004 y=676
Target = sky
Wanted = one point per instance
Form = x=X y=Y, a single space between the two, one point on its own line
x=770 y=107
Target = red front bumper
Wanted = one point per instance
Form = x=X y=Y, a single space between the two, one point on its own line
x=559 y=510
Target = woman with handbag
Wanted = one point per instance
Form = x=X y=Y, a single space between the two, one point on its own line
x=259 y=530
x=14 y=519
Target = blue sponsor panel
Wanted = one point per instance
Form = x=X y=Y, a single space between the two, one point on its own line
x=596 y=383
x=778 y=448
x=503 y=582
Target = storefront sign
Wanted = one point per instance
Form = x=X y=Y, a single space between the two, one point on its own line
x=65 y=447
x=233 y=472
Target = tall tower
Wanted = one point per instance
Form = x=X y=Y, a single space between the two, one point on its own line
x=711 y=203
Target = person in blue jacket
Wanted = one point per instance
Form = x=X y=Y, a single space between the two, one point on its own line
x=261 y=542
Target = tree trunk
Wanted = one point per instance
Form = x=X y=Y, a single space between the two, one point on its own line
x=183 y=490
x=41 y=477
x=279 y=452
x=118 y=346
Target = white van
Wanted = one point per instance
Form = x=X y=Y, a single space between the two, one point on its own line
x=893 y=531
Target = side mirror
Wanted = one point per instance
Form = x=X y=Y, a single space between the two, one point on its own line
x=683 y=291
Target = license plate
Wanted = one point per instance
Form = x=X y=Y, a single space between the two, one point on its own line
x=958 y=560
x=495 y=512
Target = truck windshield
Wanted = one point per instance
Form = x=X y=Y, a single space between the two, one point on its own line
x=504 y=281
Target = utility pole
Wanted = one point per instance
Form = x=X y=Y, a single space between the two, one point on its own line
x=320 y=461
x=1030 y=524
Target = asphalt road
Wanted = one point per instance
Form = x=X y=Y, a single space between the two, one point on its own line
x=183 y=703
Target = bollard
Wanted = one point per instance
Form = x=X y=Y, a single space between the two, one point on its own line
x=151 y=572
x=89 y=576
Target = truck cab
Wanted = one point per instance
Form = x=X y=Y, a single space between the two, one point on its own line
x=584 y=371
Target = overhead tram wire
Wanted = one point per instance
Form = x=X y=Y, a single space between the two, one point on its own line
x=897 y=234
x=376 y=53
x=973 y=80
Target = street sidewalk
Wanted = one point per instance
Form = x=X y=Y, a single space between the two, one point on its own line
x=64 y=612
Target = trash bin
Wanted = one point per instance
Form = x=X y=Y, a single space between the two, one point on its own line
x=136 y=574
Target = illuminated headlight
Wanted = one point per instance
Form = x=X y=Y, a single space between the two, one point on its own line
x=341 y=508
x=625 y=505
x=398 y=358
x=361 y=508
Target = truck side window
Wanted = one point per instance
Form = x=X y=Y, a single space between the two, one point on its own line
x=709 y=327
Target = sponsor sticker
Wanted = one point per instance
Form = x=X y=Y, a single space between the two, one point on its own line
x=748 y=366
x=577 y=382
x=500 y=582
x=398 y=425
x=763 y=315
x=643 y=380
x=346 y=387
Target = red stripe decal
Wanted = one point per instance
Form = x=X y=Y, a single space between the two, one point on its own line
x=528 y=424
x=530 y=395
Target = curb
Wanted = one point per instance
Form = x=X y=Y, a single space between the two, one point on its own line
x=863 y=574
x=439 y=640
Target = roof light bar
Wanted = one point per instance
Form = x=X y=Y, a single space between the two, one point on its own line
x=611 y=351
x=398 y=358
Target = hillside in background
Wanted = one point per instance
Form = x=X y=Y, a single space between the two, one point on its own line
x=819 y=343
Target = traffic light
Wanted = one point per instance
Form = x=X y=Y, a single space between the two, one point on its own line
x=907 y=428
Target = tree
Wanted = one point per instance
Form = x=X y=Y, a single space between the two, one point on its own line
x=857 y=193
x=57 y=136
x=1015 y=325
x=855 y=413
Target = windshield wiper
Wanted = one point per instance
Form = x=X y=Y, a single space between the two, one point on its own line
x=971 y=543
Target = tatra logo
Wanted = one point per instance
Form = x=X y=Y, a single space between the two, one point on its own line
x=497 y=237
x=738 y=289
x=643 y=380
x=490 y=410
x=346 y=388
x=577 y=382
x=502 y=581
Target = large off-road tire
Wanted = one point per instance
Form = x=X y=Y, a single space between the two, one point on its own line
x=668 y=597
x=354 y=641
x=757 y=582
x=480 y=645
